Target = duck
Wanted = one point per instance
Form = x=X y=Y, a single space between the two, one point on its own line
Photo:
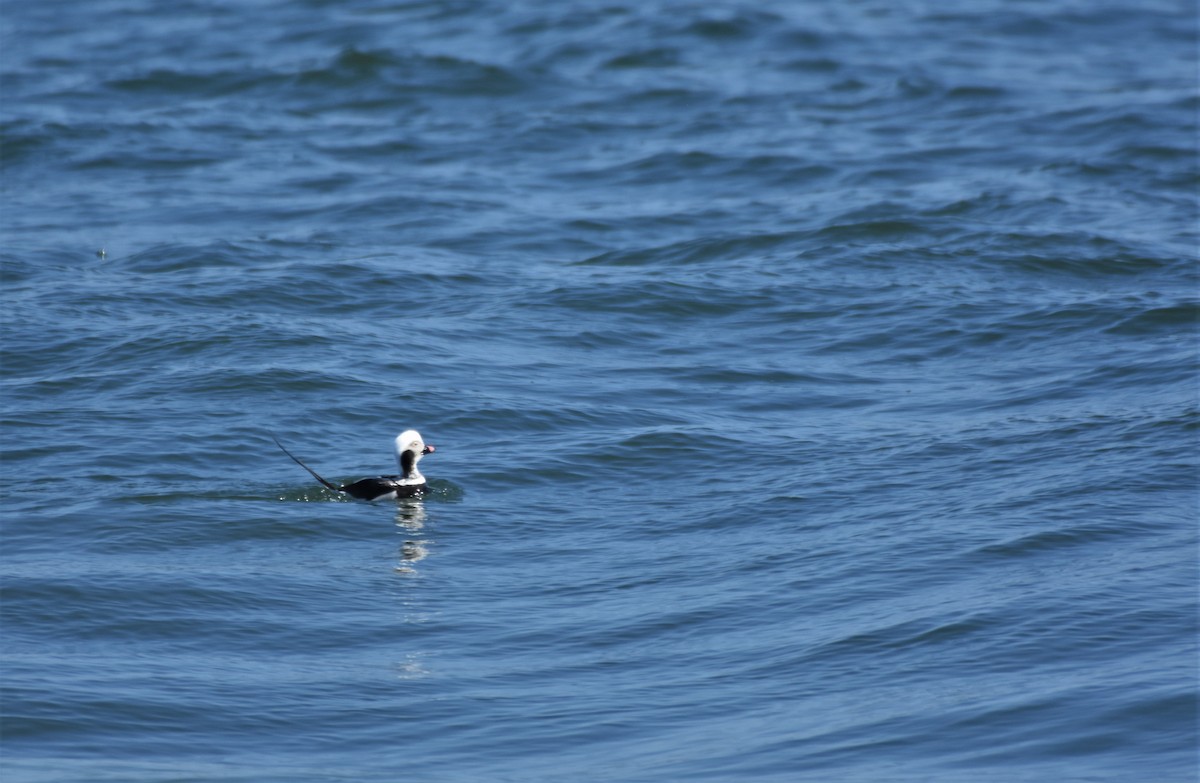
x=410 y=447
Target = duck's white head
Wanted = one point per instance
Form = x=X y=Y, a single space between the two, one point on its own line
x=409 y=450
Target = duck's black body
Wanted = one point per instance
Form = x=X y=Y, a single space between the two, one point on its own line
x=409 y=450
x=382 y=488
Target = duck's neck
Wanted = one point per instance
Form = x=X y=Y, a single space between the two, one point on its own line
x=408 y=464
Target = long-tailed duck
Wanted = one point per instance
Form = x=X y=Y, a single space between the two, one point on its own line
x=409 y=450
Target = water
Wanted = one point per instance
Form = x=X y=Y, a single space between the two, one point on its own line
x=814 y=388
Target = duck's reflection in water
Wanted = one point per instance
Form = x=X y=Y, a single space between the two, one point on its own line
x=410 y=518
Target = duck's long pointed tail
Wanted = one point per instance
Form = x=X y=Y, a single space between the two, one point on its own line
x=306 y=467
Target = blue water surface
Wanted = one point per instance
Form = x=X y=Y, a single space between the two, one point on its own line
x=814 y=388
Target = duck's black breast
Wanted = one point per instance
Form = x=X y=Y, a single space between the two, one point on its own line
x=382 y=487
